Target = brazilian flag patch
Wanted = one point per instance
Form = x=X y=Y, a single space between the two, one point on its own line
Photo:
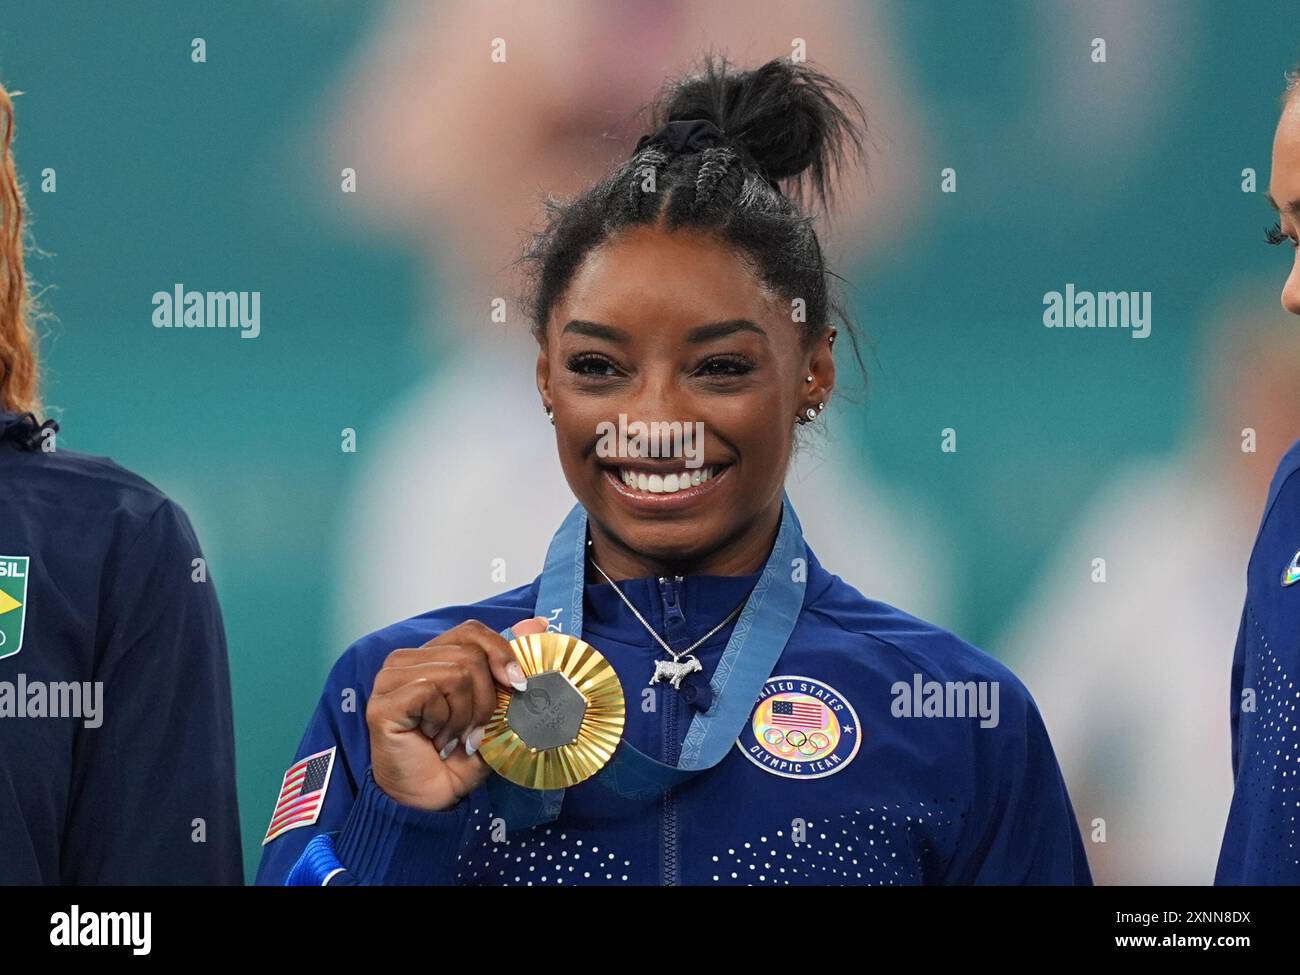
x=13 y=603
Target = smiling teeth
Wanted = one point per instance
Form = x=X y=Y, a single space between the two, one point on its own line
x=664 y=484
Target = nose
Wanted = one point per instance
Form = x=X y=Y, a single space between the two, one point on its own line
x=658 y=397
x=1291 y=290
x=664 y=407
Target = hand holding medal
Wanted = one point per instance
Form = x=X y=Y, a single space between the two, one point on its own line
x=430 y=706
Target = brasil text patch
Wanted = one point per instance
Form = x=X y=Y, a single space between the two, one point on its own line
x=13 y=602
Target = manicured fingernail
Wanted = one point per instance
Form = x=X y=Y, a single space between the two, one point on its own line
x=516 y=675
x=474 y=739
x=448 y=748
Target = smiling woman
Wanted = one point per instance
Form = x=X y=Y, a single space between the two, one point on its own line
x=755 y=740
x=717 y=347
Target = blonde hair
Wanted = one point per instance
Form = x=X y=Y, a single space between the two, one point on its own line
x=19 y=379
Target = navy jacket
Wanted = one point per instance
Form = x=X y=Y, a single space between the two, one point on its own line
x=825 y=785
x=1260 y=843
x=116 y=743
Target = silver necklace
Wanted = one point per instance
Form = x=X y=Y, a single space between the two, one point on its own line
x=683 y=662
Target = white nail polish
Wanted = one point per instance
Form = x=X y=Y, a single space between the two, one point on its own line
x=474 y=739
x=448 y=748
x=516 y=675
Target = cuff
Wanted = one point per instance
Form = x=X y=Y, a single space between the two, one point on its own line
x=385 y=842
x=319 y=866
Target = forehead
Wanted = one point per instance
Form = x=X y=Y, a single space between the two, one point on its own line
x=680 y=277
x=1284 y=180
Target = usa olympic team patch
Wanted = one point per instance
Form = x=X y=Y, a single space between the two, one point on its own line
x=801 y=728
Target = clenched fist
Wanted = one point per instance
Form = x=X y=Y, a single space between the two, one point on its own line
x=429 y=708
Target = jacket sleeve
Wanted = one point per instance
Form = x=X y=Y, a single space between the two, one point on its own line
x=153 y=786
x=1021 y=828
x=359 y=835
x=1234 y=704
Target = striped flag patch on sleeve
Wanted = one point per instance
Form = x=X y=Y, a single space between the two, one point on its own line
x=302 y=793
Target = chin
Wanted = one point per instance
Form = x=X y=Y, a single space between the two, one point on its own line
x=680 y=543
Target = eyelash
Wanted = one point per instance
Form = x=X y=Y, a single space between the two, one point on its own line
x=575 y=365
x=737 y=366
x=1274 y=235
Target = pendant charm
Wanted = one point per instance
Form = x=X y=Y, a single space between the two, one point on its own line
x=674 y=671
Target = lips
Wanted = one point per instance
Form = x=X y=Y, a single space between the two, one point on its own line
x=651 y=481
x=657 y=488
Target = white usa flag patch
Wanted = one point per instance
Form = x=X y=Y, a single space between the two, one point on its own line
x=302 y=793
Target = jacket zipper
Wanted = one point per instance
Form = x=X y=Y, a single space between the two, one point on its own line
x=670 y=802
x=670 y=873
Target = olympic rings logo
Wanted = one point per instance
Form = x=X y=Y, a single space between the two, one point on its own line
x=794 y=740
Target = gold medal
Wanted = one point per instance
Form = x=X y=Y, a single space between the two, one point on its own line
x=565 y=727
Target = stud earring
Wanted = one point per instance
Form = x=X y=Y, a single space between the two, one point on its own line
x=808 y=380
x=549 y=415
x=810 y=413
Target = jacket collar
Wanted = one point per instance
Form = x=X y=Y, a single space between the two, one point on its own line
x=23 y=430
x=705 y=599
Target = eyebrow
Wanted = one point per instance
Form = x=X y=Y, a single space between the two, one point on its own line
x=1292 y=208
x=697 y=335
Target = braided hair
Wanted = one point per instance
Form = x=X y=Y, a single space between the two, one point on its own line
x=789 y=133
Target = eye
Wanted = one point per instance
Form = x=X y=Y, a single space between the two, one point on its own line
x=722 y=366
x=589 y=364
x=1274 y=235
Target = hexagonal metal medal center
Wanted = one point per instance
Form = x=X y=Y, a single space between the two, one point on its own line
x=549 y=714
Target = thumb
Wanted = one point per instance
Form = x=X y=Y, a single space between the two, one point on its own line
x=505 y=668
x=535 y=624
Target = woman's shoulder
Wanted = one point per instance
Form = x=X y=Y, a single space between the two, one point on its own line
x=106 y=506
x=365 y=657
x=35 y=463
x=897 y=645
x=1284 y=478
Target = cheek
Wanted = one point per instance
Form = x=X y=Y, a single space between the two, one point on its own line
x=1291 y=289
x=572 y=440
x=758 y=426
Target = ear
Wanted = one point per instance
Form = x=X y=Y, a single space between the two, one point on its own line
x=821 y=366
x=544 y=374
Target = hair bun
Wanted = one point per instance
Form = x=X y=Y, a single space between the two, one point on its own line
x=794 y=122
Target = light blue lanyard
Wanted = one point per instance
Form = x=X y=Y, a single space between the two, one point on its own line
x=761 y=633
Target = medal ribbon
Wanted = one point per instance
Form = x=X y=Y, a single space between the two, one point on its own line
x=761 y=633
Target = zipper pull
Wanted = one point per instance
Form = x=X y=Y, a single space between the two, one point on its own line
x=670 y=594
